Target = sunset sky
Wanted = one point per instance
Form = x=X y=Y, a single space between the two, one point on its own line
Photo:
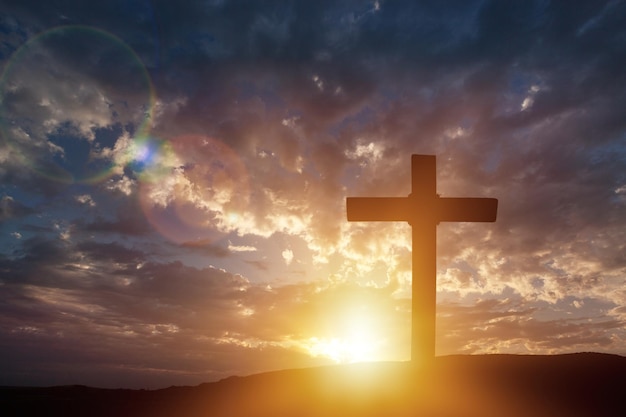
x=173 y=182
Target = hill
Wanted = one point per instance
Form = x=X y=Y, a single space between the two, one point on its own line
x=583 y=384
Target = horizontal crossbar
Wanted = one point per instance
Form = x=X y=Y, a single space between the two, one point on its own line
x=382 y=209
x=467 y=209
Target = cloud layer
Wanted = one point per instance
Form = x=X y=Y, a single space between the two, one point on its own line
x=174 y=182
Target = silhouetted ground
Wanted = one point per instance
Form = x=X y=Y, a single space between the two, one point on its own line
x=583 y=384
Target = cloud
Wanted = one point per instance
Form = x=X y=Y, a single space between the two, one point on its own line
x=511 y=325
x=10 y=208
x=287 y=256
x=126 y=224
x=107 y=300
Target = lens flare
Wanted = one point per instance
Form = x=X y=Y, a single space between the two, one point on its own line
x=66 y=95
x=150 y=158
x=202 y=197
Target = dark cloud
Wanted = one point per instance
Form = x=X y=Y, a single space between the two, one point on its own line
x=124 y=224
x=208 y=247
x=489 y=323
x=10 y=208
x=259 y=264
x=40 y=251
x=110 y=252
x=118 y=318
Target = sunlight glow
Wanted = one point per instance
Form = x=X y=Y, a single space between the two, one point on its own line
x=355 y=339
x=345 y=350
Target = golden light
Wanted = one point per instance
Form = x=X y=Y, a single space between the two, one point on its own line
x=354 y=336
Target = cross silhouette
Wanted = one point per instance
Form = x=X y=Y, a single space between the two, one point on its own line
x=423 y=209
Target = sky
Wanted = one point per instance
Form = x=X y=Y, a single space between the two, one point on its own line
x=173 y=183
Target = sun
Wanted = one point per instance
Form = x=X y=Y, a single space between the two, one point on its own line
x=345 y=350
x=354 y=337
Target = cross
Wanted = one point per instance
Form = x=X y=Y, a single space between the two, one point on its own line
x=423 y=209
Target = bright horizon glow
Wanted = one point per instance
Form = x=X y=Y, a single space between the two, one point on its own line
x=345 y=350
x=355 y=340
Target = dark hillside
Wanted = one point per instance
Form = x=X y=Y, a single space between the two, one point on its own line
x=584 y=384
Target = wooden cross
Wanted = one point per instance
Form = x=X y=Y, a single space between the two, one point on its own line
x=423 y=209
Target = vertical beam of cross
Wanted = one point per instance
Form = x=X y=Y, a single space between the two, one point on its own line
x=423 y=220
x=423 y=209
